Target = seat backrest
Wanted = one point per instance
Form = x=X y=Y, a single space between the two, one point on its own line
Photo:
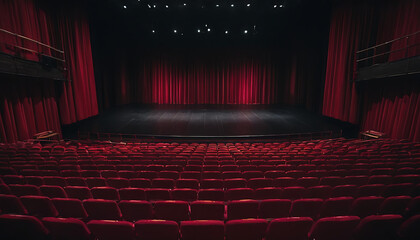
x=241 y=209
x=365 y=206
x=203 y=230
x=294 y=228
x=66 y=228
x=156 y=230
x=211 y=194
x=332 y=228
x=110 y=230
x=133 y=210
x=409 y=230
x=184 y=194
x=78 y=192
x=274 y=208
x=24 y=190
x=306 y=208
x=246 y=229
x=22 y=227
x=100 y=209
x=39 y=206
x=11 y=204
x=394 y=205
x=132 y=194
x=53 y=191
x=339 y=206
x=172 y=210
x=69 y=208
x=108 y=193
x=378 y=227
x=207 y=210
x=239 y=193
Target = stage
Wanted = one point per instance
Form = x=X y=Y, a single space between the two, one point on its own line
x=206 y=121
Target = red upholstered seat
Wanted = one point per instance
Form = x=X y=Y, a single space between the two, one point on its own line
x=239 y=193
x=39 y=206
x=207 y=210
x=66 y=228
x=409 y=230
x=241 y=209
x=132 y=194
x=339 y=206
x=156 y=230
x=133 y=210
x=118 y=182
x=22 y=227
x=333 y=228
x=203 y=230
x=187 y=183
x=53 y=191
x=211 y=194
x=110 y=230
x=69 y=208
x=108 y=193
x=306 y=208
x=246 y=229
x=294 y=228
x=24 y=190
x=378 y=227
x=184 y=194
x=274 y=208
x=365 y=206
x=11 y=204
x=100 y=209
x=171 y=210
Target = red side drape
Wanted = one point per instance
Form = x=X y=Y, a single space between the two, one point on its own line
x=78 y=99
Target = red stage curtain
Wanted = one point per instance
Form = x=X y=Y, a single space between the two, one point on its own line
x=78 y=99
x=393 y=109
x=385 y=108
x=29 y=106
x=347 y=23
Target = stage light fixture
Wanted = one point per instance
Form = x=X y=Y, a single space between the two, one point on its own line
x=217 y=5
x=198 y=30
x=248 y=5
x=154 y=5
x=245 y=31
x=166 y=6
x=148 y=5
x=275 y=6
x=208 y=29
x=232 y=5
x=185 y=4
x=153 y=31
x=175 y=31
x=125 y=7
x=281 y=6
x=226 y=32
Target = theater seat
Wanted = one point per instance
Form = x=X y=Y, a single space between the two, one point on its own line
x=339 y=206
x=203 y=230
x=132 y=194
x=365 y=206
x=111 y=230
x=306 y=208
x=274 y=208
x=246 y=229
x=78 y=192
x=24 y=190
x=333 y=228
x=382 y=227
x=184 y=194
x=108 y=193
x=69 y=208
x=409 y=230
x=157 y=194
x=241 y=209
x=133 y=210
x=20 y=227
x=207 y=210
x=156 y=230
x=268 y=193
x=11 y=204
x=100 y=209
x=66 y=228
x=172 y=210
x=39 y=206
x=53 y=191
x=394 y=205
x=187 y=183
x=211 y=194
x=293 y=228
x=239 y=193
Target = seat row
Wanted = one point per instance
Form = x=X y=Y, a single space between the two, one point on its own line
x=195 y=181
x=216 y=194
x=296 y=228
x=133 y=210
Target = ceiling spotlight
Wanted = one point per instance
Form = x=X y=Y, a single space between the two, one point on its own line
x=246 y=31
x=208 y=29
x=185 y=4
x=226 y=32
x=153 y=31
x=217 y=5
x=281 y=6
x=205 y=25
x=154 y=5
x=175 y=31
x=198 y=30
x=248 y=5
x=125 y=7
x=275 y=6
x=232 y=5
x=166 y=6
x=149 y=6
